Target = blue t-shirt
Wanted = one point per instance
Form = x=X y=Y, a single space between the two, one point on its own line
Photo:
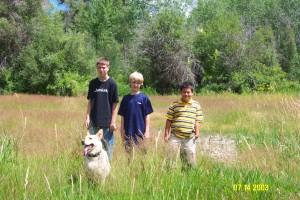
x=134 y=109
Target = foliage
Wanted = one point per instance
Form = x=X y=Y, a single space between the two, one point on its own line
x=6 y=83
x=228 y=63
x=111 y=25
x=260 y=78
x=288 y=49
x=220 y=45
x=123 y=88
x=68 y=84
x=260 y=70
x=163 y=51
x=16 y=26
x=52 y=57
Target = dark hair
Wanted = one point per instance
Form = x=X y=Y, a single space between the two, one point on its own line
x=187 y=84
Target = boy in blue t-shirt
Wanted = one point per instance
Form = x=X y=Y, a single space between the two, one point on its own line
x=135 y=110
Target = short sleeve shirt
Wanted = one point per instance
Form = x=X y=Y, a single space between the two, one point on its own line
x=183 y=117
x=134 y=109
x=102 y=96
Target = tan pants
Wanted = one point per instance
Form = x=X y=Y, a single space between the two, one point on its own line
x=183 y=148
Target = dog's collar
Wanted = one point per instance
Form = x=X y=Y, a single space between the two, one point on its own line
x=93 y=155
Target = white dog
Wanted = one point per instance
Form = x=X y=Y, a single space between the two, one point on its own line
x=97 y=165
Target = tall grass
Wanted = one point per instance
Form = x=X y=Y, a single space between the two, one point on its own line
x=41 y=159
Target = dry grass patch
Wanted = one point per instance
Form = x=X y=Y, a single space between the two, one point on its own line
x=262 y=158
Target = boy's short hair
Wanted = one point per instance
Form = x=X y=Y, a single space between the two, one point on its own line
x=102 y=61
x=187 y=84
x=136 y=76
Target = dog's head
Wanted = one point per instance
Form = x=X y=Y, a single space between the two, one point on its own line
x=92 y=143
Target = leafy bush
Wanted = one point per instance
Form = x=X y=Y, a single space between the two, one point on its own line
x=289 y=87
x=68 y=84
x=267 y=78
x=123 y=88
x=6 y=83
x=149 y=91
x=218 y=46
x=261 y=78
x=214 y=87
x=53 y=57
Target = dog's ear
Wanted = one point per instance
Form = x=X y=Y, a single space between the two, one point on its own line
x=100 y=133
x=88 y=133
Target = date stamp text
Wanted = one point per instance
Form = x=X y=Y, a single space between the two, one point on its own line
x=251 y=187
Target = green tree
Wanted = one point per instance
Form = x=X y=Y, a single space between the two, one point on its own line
x=16 y=27
x=218 y=46
x=112 y=25
x=207 y=10
x=162 y=54
x=6 y=82
x=16 y=31
x=260 y=68
x=290 y=58
x=97 y=19
x=51 y=56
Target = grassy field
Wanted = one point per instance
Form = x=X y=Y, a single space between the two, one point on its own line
x=40 y=151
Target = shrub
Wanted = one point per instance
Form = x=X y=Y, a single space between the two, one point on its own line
x=68 y=84
x=6 y=83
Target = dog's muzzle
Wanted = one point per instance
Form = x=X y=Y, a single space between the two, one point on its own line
x=87 y=148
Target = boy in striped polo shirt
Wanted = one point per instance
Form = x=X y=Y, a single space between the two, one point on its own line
x=182 y=126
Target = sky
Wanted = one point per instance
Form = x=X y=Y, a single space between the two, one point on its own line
x=57 y=6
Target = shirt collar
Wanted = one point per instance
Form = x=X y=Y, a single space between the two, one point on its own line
x=190 y=101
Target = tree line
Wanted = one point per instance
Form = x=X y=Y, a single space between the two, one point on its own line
x=220 y=45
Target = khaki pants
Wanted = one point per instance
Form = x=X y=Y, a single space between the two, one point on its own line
x=185 y=148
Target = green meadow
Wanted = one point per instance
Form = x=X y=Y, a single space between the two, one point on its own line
x=41 y=152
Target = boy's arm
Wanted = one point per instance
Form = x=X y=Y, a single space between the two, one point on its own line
x=88 y=112
x=122 y=129
x=197 y=129
x=167 y=130
x=147 y=120
x=114 y=112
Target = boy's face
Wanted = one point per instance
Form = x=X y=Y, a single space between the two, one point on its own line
x=186 y=94
x=102 y=70
x=135 y=85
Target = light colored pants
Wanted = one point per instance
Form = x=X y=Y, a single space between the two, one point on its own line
x=185 y=148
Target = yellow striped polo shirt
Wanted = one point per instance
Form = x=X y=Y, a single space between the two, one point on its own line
x=183 y=117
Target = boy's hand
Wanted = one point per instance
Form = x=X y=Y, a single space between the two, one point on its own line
x=112 y=127
x=167 y=138
x=146 y=135
x=87 y=122
x=196 y=137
